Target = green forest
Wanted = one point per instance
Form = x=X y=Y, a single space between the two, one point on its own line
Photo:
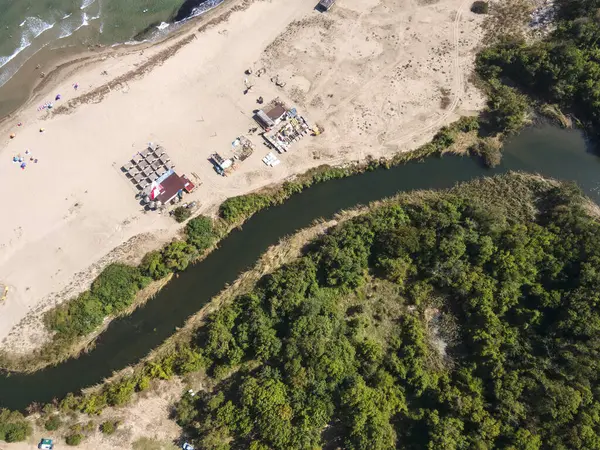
x=466 y=319
x=563 y=68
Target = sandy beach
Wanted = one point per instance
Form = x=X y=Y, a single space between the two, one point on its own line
x=380 y=76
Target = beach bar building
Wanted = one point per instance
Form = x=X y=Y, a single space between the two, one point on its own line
x=167 y=187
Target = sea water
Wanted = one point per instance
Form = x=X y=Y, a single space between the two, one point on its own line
x=28 y=26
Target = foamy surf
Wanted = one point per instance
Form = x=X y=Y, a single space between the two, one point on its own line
x=86 y=4
x=34 y=27
x=163 y=25
x=24 y=44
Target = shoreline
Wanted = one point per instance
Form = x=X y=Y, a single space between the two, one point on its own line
x=26 y=83
x=334 y=149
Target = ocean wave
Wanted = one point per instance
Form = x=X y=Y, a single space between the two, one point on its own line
x=86 y=3
x=66 y=16
x=35 y=26
x=189 y=9
x=25 y=42
x=68 y=28
x=163 y=25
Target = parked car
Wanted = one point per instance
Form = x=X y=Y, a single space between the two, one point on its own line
x=46 y=444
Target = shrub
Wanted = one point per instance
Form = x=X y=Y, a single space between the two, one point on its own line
x=237 y=208
x=113 y=290
x=110 y=426
x=181 y=214
x=507 y=108
x=489 y=151
x=117 y=285
x=53 y=423
x=480 y=7
x=13 y=426
x=200 y=233
x=74 y=439
x=185 y=410
x=177 y=255
x=154 y=266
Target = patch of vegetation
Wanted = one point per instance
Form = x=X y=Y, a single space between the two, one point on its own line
x=489 y=151
x=113 y=291
x=13 y=426
x=53 y=422
x=562 y=69
x=201 y=233
x=74 y=439
x=480 y=7
x=181 y=214
x=110 y=426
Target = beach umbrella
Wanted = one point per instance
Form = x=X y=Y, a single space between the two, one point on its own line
x=57 y=97
x=23 y=165
x=41 y=130
x=12 y=135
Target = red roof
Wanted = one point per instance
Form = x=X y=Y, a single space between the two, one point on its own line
x=188 y=185
x=170 y=186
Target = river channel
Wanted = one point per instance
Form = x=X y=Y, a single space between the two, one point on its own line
x=549 y=151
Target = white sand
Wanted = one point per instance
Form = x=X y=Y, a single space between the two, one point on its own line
x=371 y=72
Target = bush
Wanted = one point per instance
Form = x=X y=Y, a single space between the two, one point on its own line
x=177 y=255
x=153 y=265
x=185 y=410
x=53 y=423
x=74 y=439
x=200 y=233
x=110 y=426
x=113 y=291
x=480 y=7
x=13 y=426
x=489 y=151
x=507 y=108
x=182 y=214
x=238 y=208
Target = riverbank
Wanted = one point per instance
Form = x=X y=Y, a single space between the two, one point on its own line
x=459 y=138
x=517 y=191
x=90 y=209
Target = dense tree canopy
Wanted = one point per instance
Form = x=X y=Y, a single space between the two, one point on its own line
x=564 y=68
x=442 y=322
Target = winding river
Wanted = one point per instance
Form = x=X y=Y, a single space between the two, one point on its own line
x=549 y=151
